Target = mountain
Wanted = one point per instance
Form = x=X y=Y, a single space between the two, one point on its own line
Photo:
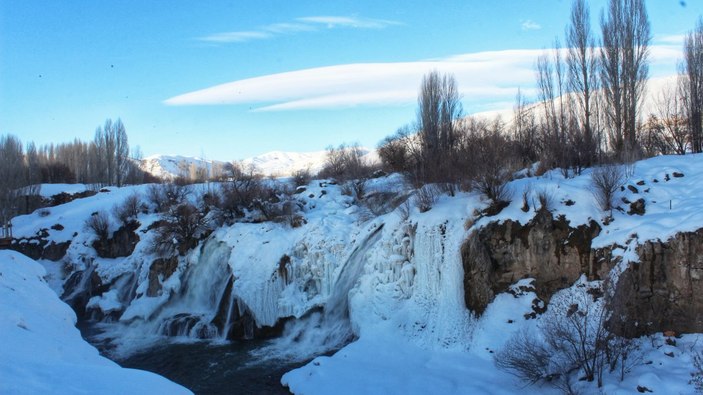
x=172 y=166
x=274 y=163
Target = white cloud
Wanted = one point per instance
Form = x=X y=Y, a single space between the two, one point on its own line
x=236 y=37
x=485 y=76
x=670 y=39
x=343 y=21
x=530 y=25
x=304 y=24
x=484 y=79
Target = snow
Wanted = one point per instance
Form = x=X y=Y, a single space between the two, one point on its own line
x=270 y=164
x=43 y=352
x=169 y=167
x=49 y=190
x=407 y=305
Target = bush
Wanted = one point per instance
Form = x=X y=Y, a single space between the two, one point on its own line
x=575 y=340
x=525 y=358
x=164 y=196
x=180 y=230
x=302 y=177
x=605 y=182
x=128 y=210
x=546 y=199
x=345 y=163
x=99 y=223
x=425 y=198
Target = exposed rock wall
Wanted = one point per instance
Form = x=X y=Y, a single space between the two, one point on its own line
x=664 y=291
x=546 y=249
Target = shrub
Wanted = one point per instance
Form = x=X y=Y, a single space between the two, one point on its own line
x=425 y=198
x=524 y=357
x=180 y=230
x=128 y=210
x=99 y=223
x=546 y=199
x=605 y=182
x=302 y=177
x=164 y=196
x=345 y=163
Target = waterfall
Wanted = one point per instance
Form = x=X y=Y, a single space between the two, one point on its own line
x=322 y=331
x=191 y=312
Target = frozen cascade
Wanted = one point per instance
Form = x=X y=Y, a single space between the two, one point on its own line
x=413 y=285
x=187 y=311
x=438 y=290
x=329 y=329
x=190 y=313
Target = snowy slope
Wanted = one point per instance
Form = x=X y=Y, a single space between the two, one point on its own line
x=410 y=286
x=43 y=352
x=169 y=167
x=275 y=163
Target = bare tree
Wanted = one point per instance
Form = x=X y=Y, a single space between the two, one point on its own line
x=121 y=152
x=525 y=129
x=624 y=68
x=582 y=62
x=605 y=182
x=439 y=107
x=669 y=121
x=692 y=69
x=11 y=171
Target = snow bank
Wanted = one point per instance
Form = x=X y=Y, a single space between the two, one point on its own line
x=43 y=352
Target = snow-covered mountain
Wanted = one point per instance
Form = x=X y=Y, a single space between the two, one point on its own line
x=274 y=163
x=169 y=167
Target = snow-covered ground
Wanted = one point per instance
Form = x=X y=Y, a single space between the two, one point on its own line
x=42 y=352
x=407 y=303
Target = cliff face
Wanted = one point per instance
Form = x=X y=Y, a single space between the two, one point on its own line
x=663 y=291
x=546 y=249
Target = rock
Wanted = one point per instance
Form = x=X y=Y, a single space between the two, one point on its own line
x=546 y=249
x=122 y=242
x=664 y=291
x=160 y=270
x=39 y=248
x=637 y=207
x=633 y=189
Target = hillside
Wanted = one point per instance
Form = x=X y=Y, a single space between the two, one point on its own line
x=434 y=295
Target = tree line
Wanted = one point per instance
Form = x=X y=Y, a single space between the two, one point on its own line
x=103 y=161
x=588 y=110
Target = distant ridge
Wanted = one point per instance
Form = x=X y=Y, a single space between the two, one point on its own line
x=274 y=163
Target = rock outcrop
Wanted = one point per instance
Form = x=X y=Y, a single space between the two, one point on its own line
x=121 y=244
x=546 y=249
x=661 y=292
x=664 y=290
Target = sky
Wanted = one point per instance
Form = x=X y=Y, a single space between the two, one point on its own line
x=229 y=80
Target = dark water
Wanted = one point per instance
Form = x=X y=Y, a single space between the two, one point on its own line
x=214 y=368
x=203 y=367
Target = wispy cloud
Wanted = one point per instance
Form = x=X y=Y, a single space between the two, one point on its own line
x=481 y=76
x=671 y=39
x=484 y=79
x=530 y=25
x=342 y=21
x=237 y=37
x=303 y=24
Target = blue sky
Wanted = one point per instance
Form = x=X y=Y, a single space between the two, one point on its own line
x=297 y=75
